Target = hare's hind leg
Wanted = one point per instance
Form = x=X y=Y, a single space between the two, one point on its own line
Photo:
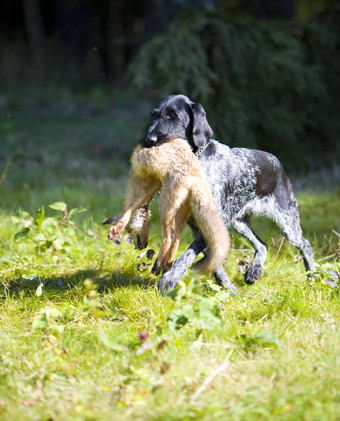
x=171 y=200
x=181 y=218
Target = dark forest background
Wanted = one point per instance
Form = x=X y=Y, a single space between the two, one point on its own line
x=266 y=71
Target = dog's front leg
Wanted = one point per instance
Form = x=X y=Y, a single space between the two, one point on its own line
x=169 y=279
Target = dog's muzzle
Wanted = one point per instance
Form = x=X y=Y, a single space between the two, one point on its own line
x=150 y=141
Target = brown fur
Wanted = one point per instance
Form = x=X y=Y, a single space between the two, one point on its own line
x=175 y=168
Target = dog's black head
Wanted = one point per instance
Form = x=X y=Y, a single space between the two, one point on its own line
x=178 y=117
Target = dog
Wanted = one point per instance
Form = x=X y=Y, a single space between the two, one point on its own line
x=175 y=169
x=243 y=182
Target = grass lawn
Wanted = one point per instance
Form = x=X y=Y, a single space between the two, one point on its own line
x=85 y=335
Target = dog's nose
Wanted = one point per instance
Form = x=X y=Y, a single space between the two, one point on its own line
x=150 y=140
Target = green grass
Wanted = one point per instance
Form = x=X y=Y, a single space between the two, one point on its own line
x=73 y=352
x=73 y=307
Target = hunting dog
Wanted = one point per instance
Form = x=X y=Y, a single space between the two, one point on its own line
x=243 y=182
x=173 y=167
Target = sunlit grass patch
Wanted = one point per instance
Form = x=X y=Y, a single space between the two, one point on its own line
x=86 y=335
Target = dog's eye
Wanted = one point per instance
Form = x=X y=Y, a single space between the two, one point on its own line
x=171 y=114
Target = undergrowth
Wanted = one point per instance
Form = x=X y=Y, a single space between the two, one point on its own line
x=85 y=335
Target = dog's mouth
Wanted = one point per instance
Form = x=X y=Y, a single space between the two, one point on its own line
x=147 y=142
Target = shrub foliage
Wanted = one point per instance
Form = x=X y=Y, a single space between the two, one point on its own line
x=264 y=84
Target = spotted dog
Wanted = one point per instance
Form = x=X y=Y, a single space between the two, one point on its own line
x=173 y=167
x=243 y=182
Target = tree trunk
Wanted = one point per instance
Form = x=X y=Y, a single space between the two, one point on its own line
x=270 y=9
x=35 y=30
x=115 y=48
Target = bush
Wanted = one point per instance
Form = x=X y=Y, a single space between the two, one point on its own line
x=264 y=84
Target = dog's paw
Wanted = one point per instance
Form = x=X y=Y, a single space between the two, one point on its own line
x=165 y=284
x=224 y=281
x=228 y=285
x=330 y=282
x=335 y=277
x=333 y=274
x=253 y=274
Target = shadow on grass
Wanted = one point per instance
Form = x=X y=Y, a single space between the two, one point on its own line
x=103 y=282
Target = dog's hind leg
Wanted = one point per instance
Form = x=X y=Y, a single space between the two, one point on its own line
x=220 y=275
x=254 y=271
x=169 y=279
x=289 y=222
x=223 y=279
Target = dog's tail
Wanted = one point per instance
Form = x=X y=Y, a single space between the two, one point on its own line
x=215 y=234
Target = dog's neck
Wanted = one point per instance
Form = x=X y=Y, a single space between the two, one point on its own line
x=200 y=150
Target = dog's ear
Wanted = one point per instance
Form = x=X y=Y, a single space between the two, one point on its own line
x=201 y=131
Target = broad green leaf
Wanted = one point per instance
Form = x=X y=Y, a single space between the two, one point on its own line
x=172 y=293
x=21 y=234
x=223 y=296
x=60 y=206
x=22 y=218
x=30 y=277
x=58 y=328
x=213 y=286
x=59 y=243
x=8 y=260
x=76 y=210
x=40 y=322
x=177 y=319
x=188 y=311
x=39 y=290
x=207 y=316
x=111 y=342
x=50 y=222
x=268 y=338
x=39 y=238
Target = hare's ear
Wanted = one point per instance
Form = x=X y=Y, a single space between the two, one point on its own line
x=201 y=131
